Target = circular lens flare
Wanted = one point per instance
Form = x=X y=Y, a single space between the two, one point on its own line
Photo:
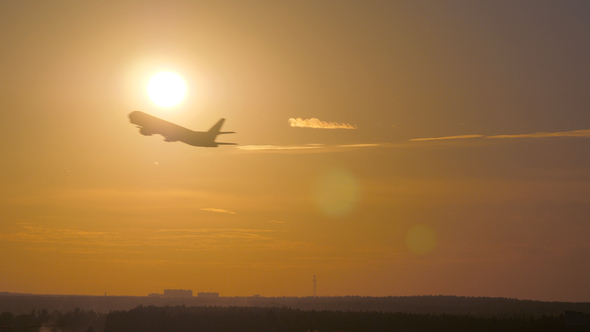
x=166 y=89
x=336 y=193
x=421 y=239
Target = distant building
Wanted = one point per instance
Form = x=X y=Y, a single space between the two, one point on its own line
x=208 y=295
x=155 y=295
x=177 y=293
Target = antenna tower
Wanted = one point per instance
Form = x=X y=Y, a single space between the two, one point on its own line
x=314 y=281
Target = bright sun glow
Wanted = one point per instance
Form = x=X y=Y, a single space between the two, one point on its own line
x=166 y=89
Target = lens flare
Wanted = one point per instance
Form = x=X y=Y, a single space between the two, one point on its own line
x=421 y=239
x=336 y=193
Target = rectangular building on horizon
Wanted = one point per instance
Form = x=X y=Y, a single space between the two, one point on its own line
x=178 y=293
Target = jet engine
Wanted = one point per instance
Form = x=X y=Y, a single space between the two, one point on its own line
x=145 y=132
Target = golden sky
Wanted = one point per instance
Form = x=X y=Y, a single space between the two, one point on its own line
x=389 y=147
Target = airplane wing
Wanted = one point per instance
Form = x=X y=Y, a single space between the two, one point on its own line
x=149 y=125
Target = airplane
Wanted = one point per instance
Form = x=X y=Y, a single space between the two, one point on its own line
x=149 y=125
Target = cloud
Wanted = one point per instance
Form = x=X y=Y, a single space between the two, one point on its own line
x=314 y=147
x=276 y=147
x=445 y=138
x=213 y=239
x=127 y=241
x=366 y=145
x=218 y=210
x=65 y=240
x=213 y=233
x=573 y=133
x=35 y=233
x=317 y=123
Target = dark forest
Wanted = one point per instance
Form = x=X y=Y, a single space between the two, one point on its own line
x=246 y=319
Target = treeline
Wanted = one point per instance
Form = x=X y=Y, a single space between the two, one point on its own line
x=454 y=305
x=255 y=319
x=42 y=321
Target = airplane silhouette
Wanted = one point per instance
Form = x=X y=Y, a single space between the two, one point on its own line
x=149 y=125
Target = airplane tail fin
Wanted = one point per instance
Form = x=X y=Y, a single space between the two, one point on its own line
x=214 y=131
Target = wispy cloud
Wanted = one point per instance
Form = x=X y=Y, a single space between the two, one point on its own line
x=445 y=138
x=573 y=133
x=319 y=124
x=218 y=210
x=36 y=233
x=209 y=233
x=65 y=240
x=305 y=147
x=366 y=145
x=277 y=147
x=213 y=239
x=322 y=148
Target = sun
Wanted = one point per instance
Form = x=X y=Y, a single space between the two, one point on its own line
x=166 y=89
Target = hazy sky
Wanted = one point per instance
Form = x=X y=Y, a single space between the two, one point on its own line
x=466 y=171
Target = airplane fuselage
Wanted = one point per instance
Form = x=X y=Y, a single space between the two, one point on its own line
x=150 y=125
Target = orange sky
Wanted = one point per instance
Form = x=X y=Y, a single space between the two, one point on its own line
x=464 y=168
